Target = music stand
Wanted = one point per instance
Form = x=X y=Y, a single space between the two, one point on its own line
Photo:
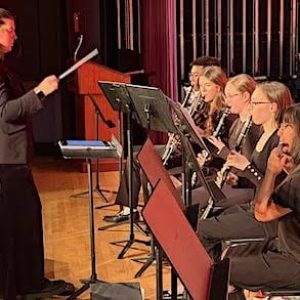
x=151 y=107
x=88 y=150
x=120 y=100
x=187 y=128
x=203 y=279
x=151 y=112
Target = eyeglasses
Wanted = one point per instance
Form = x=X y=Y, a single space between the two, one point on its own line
x=259 y=102
x=232 y=96
x=285 y=125
x=194 y=74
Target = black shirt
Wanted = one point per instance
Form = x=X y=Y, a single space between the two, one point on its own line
x=287 y=194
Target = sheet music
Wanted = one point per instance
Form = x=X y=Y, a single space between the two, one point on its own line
x=78 y=64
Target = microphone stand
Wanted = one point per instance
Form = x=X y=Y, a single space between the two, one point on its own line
x=109 y=124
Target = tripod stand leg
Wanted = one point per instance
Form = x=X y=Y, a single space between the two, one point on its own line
x=112 y=225
x=146 y=265
x=126 y=248
x=149 y=260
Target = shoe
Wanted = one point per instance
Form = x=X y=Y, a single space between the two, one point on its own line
x=121 y=217
x=167 y=295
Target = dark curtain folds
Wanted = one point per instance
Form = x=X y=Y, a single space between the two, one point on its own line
x=159 y=48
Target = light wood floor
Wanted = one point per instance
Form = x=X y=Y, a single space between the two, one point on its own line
x=66 y=229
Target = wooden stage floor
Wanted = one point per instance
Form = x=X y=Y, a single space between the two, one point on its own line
x=67 y=235
x=66 y=229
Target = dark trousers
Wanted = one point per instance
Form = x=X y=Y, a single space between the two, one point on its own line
x=21 y=233
x=233 y=196
x=234 y=223
x=268 y=271
x=138 y=180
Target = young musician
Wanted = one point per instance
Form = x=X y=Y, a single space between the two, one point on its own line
x=238 y=91
x=268 y=102
x=276 y=267
x=21 y=231
x=192 y=95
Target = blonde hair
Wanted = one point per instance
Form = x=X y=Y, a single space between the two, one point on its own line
x=243 y=83
x=216 y=75
x=278 y=93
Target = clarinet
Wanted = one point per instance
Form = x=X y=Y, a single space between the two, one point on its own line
x=217 y=132
x=174 y=139
x=240 y=140
x=225 y=170
x=221 y=123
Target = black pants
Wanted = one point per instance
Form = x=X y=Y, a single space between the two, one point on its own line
x=21 y=233
x=138 y=180
x=233 y=196
x=234 y=223
x=268 y=271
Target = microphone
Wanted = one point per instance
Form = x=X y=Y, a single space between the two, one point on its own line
x=80 y=39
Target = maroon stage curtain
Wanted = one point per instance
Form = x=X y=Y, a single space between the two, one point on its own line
x=159 y=48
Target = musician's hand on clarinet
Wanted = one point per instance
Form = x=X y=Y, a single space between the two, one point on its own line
x=48 y=85
x=237 y=160
x=232 y=179
x=217 y=142
x=201 y=158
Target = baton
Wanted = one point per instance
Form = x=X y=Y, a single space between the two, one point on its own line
x=78 y=64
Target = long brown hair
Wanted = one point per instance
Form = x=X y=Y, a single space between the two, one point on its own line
x=216 y=75
x=292 y=115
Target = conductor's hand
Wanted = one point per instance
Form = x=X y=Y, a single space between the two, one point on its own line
x=48 y=85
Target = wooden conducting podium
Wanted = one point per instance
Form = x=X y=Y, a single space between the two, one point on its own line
x=86 y=87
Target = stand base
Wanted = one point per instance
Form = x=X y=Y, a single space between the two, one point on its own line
x=149 y=260
x=136 y=225
x=87 y=285
x=95 y=190
x=128 y=245
x=101 y=290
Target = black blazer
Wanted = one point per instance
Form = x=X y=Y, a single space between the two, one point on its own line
x=14 y=112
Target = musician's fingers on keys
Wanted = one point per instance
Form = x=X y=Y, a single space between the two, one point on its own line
x=237 y=160
x=232 y=179
x=201 y=157
x=216 y=141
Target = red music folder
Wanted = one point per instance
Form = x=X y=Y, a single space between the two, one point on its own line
x=151 y=163
x=178 y=240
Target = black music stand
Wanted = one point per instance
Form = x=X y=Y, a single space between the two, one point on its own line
x=87 y=150
x=152 y=112
x=98 y=115
x=119 y=98
x=202 y=279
